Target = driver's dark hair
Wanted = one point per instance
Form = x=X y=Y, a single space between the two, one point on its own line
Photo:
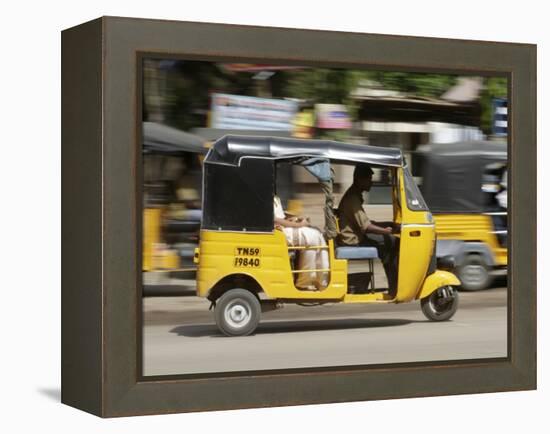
x=362 y=170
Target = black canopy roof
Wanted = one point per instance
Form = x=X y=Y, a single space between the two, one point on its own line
x=453 y=174
x=231 y=149
x=493 y=151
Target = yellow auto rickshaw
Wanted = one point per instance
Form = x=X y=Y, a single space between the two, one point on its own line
x=245 y=265
x=172 y=174
x=465 y=186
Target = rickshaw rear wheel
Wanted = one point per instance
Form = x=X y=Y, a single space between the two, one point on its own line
x=441 y=304
x=237 y=312
x=474 y=274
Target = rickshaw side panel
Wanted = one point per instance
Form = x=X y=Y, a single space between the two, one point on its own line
x=501 y=256
x=263 y=257
x=469 y=228
x=415 y=251
x=219 y=257
x=416 y=247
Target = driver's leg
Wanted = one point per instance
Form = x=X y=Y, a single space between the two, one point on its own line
x=387 y=246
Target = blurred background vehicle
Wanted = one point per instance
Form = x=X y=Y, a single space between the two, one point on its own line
x=465 y=184
x=172 y=177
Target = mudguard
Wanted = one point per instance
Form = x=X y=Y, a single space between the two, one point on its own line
x=437 y=280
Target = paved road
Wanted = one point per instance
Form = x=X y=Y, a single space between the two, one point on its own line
x=180 y=336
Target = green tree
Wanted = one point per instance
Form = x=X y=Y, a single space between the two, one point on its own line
x=318 y=85
x=335 y=85
x=415 y=83
x=185 y=92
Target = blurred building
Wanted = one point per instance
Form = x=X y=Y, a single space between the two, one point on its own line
x=211 y=100
x=392 y=118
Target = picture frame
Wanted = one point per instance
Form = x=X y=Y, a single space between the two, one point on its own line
x=101 y=222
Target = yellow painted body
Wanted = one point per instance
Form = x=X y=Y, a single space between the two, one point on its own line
x=471 y=227
x=437 y=280
x=264 y=257
x=416 y=246
x=156 y=257
x=151 y=235
x=219 y=257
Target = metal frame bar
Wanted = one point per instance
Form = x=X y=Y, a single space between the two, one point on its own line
x=308 y=248
x=371 y=270
x=317 y=270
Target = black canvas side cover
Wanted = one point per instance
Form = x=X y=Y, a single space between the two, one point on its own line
x=239 y=198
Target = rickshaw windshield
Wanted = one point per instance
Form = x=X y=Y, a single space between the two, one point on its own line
x=415 y=201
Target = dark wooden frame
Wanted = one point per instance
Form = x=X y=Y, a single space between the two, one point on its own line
x=101 y=279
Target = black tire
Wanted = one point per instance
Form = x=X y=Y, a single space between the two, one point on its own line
x=237 y=312
x=474 y=273
x=441 y=304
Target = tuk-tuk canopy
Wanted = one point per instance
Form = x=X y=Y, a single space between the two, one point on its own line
x=453 y=174
x=162 y=139
x=232 y=149
x=239 y=175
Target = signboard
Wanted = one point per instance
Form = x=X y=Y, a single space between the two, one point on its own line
x=251 y=113
x=332 y=116
x=500 y=116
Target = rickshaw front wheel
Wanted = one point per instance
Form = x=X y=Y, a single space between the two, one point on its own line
x=441 y=304
x=237 y=312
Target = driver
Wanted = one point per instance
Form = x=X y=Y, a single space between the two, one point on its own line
x=357 y=230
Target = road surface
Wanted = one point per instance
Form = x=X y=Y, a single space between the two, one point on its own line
x=180 y=336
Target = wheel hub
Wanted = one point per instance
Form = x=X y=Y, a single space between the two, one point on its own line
x=237 y=314
x=475 y=273
x=443 y=297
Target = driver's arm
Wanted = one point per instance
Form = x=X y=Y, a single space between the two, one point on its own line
x=375 y=229
x=395 y=227
x=369 y=226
